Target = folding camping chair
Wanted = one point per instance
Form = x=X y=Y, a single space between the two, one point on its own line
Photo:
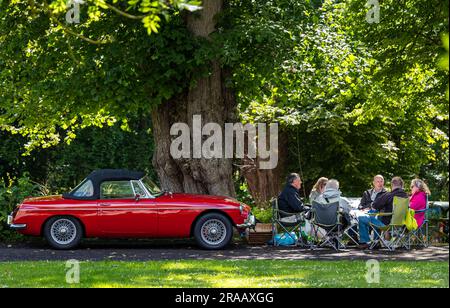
x=396 y=228
x=421 y=236
x=351 y=231
x=325 y=219
x=288 y=223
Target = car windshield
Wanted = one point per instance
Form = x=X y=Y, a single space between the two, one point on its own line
x=85 y=189
x=152 y=187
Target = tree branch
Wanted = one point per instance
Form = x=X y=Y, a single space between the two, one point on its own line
x=68 y=30
x=125 y=14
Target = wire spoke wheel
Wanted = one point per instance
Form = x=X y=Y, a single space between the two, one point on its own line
x=213 y=232
x=63 y=231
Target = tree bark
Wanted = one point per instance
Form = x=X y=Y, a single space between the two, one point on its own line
x=215 y=103
x=263 y=185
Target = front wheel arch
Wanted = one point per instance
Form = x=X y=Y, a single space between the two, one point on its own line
x=213 y=231
x=206 y=213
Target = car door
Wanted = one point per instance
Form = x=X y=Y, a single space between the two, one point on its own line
x=121 y=214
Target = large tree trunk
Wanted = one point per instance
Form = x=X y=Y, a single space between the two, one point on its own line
x=263 y=185
x=215 y=103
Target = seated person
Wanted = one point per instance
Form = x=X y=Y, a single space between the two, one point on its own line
x=289 y=200
x=418 y=200
x=332 y=194
x=369 y=196
x=383 y=204
x=318 y=189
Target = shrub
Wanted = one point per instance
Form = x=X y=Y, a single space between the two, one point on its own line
x=262 y=214
x=11 y=196
x=242 y=192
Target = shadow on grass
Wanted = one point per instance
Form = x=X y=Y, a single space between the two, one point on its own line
x=224 y=274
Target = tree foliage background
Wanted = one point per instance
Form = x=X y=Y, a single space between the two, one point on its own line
x=353 y=98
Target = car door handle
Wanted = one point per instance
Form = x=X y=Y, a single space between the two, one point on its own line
x=105 y=204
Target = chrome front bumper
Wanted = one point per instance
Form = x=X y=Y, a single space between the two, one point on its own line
x=250 y=222
x=13 y=226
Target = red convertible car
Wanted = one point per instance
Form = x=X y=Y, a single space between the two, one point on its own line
x=124 y=204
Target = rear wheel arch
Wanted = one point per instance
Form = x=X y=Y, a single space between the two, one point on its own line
x=64 y=216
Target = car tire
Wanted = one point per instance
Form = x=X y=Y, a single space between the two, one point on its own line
x=213 y=231
x=63 y=233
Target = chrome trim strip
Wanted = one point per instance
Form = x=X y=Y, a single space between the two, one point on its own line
x=18 y=227
x=145 y=188
x=132 y=187
x=153 y=207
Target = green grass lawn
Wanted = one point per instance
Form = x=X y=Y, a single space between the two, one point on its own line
x=230 y=274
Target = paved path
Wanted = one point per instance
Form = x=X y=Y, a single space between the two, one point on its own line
x=162 y=250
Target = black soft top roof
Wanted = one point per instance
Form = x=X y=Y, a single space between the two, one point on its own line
x=115 y=174
x=99 y=176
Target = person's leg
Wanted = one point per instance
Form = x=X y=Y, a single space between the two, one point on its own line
x=364 y=228
x=364 y=223
x=377 y=223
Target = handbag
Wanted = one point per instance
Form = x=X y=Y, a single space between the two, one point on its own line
x=410 y=222
x=286 y=239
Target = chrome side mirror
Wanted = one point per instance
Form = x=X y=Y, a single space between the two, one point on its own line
x=137 y=197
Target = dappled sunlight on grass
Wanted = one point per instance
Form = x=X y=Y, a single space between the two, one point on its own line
x=402 y=270
x=432 y=283
x=176 y=266
x=224 y=274
x=183 y=265
x=256 y=282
